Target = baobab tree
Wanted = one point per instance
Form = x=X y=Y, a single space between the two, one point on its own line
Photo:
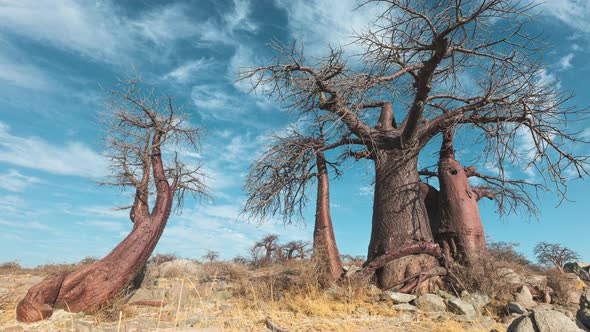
x=140 y=126
x=270 y=244
x=554 y=255
x=278 y=181
x=294 y=249
x=443 y=64
x=453 y=210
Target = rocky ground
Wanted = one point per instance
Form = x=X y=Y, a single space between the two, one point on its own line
x=182 y=295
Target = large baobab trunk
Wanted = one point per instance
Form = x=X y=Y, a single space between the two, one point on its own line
x=325 y=250
x=400 y=220
x=93 y=286
x=460 y=232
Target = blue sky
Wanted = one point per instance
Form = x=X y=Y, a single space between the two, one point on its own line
x=56 y=55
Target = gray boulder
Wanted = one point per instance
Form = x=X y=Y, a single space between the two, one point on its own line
x=430 y=303
x=544 y=321
x=522 y=324
x=554 y=321
x=478 y=300
x=404 y=307
x=398 y=297
x=461 y=307
x=583 y=313
x=515 y=307
x=525 y=298
x=581 y=269
x=509 y=276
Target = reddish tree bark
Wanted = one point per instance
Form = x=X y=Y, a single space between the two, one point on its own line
x=94 y=285
x=460 y=231
x=138 y=131
x=399 y=219
x=325 y=250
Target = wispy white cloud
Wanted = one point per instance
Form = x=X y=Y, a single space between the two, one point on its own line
x=13 y=180
x=25 y=224
x=318 y=22
x=565 y=62
x=573 y=13
x=72 y=158
x=190 y=70
x=98 y=30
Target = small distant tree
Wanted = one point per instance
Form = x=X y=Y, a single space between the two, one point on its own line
x=269 y=243
x=241 y=260
x=210 y=256
x=295 y=249
x=554 y=255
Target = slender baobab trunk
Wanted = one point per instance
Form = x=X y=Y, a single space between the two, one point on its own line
x=325 y=250
x=400 y=220
x=93 y=286
x=460 y=232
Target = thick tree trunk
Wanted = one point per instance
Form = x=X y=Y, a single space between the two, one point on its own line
x=460 y=233
x=93 y=286
x=325 y=250
x=432 y=203
x=399 y=219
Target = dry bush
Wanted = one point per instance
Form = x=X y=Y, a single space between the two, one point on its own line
x=10 y=267
x=295 y=287
x=55 y=268
x=506 y=252
x=5 y=299
x=88 y=260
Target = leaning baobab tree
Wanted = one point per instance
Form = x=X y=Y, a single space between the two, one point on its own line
x=277 y=185
x=140 y=126
x=443 y=64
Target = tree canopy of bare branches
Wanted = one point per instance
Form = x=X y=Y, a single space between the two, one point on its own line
x=554 y=255
x=139 y=125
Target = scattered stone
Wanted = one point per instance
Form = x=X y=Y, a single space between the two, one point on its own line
x=444 y=295
x=406 y=317
x=522 y=324
x=536 y=280
x=581 y=269
x=404 y=307
x=552 y=320
x=509 y=276
x=583 y=313
x=515 y=307
x=574 y=286
x=461 y=307
x=397 y=297
x=525 y=298
x=478 y=300
x=350 y=270
x=430 y=303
